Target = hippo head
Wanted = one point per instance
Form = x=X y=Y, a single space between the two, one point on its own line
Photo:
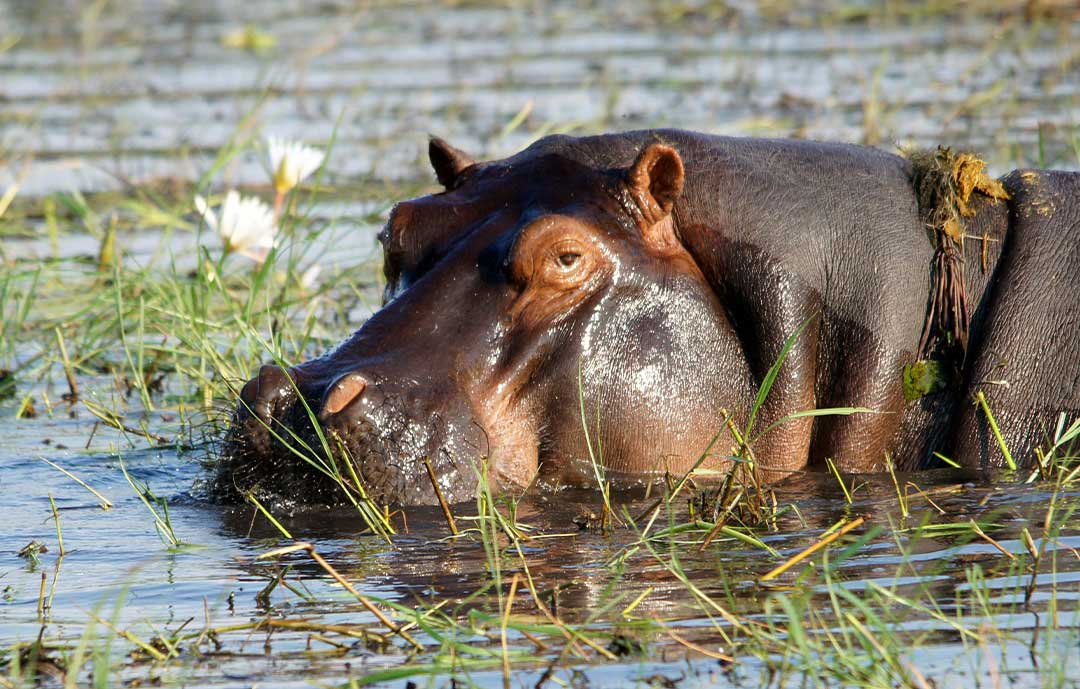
x=540 y=312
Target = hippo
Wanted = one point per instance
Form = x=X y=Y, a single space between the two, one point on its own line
x=613 y=304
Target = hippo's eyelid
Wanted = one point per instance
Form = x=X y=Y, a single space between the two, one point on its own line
x=567 y=259
x=568 y=246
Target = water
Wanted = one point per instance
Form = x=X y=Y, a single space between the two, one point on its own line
x=142 y=91
x=94 y=99
x=116 y=555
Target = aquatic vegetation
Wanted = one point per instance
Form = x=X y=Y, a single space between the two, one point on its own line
x=250 y=38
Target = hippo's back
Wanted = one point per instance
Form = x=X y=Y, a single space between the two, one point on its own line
x=1026 y=358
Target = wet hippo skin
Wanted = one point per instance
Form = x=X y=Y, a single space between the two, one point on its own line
x=619 y=296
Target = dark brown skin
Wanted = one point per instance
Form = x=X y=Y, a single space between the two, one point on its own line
x=664 y=270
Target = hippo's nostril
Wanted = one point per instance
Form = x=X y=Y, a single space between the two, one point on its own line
x=272 y=383
x=340 y=393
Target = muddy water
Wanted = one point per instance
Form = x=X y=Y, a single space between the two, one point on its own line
x=97 y=97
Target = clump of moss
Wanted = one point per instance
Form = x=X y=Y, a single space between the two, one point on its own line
x=945 y=184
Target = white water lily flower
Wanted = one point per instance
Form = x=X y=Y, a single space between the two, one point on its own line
x=246 y=225
x=309 y=279
x=291 y=162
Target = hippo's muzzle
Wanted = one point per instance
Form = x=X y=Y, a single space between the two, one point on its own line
x=297 y=439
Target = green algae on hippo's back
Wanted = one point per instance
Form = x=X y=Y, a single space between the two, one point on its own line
x=660 y=273
x=924 y=377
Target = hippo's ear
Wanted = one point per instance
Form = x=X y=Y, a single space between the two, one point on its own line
x=447 y=161
x=656 y=180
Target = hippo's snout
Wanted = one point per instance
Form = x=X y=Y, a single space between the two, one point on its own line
x=297 y=438
x=264 y=393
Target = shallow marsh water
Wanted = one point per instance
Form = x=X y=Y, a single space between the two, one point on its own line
x=146 y=94
x=117 y=570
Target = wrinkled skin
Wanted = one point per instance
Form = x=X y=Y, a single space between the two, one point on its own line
x=647 y=281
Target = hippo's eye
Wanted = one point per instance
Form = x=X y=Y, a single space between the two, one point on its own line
x=567 y=259
x=554 y=253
